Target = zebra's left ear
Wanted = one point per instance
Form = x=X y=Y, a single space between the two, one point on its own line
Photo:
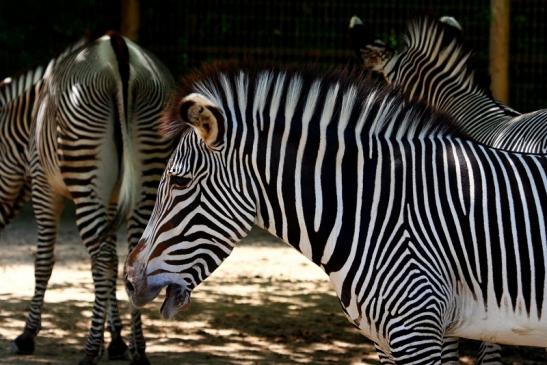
x=204 y=116
x=372 y=52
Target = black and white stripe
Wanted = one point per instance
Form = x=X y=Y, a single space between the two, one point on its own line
x=433 y=65
x=424 y=234
x=87 y=129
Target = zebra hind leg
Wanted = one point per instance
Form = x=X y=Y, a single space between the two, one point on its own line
x=135 y=227
x=47 y=209
x=102 y=272
x=117 y=349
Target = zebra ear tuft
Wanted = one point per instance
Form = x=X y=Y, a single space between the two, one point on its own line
x=197 y=112
x=204 y=116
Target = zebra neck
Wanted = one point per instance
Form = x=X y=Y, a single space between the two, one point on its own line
x=469 y=107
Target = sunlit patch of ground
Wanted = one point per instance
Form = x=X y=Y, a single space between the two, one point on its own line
x=266 y=305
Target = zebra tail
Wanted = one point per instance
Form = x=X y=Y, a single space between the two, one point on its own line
x=127 y=161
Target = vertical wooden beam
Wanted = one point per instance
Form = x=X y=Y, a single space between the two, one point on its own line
x=499 y=48
x=130 y=19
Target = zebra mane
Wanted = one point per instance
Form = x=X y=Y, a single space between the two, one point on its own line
x=415 y=118
x=13 y=87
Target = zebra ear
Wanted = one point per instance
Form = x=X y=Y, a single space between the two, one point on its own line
x=451 y=21
x=372 y=52
x=204 y=116
x=360 y=37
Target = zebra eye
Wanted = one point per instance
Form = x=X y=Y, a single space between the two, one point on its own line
x=180 y=182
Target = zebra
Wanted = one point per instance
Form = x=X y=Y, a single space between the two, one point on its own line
x=16 y=111
x=435 y=66
x=445 y=81
x=86 y=129
x=424 y=233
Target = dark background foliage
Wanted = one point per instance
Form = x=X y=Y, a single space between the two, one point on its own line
x=185 y=33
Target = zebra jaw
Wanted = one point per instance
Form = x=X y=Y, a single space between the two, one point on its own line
x=177 y=298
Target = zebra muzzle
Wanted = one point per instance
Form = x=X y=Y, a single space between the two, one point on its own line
x=177 y=298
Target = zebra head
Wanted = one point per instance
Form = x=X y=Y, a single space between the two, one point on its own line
x=375 y=55
x=199 y=214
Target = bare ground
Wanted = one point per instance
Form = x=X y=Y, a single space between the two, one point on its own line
x=265 y=305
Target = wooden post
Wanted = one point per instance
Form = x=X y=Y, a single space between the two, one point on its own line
x=499 y=49
x=130 y=19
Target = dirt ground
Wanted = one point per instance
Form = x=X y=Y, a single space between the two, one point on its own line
x=265 y=305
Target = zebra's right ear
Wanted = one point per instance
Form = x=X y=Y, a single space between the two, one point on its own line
x=451 y=21
x=204 y=116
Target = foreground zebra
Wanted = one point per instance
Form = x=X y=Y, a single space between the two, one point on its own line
x=86 y=129
x=433 y=65
x=423 y=233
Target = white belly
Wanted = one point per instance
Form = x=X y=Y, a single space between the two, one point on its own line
x=500 y=324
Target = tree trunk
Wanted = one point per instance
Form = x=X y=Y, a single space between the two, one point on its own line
x=130 y=19
x=499 y=49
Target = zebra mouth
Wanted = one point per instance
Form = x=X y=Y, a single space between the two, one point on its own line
x=177 y=299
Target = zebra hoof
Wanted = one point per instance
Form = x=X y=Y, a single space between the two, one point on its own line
x=22 y=345
x=89 y=360
x=92 y=358
x=139 y=359
x=118 y=350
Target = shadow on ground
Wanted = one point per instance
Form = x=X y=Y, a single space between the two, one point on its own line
x=271 y=328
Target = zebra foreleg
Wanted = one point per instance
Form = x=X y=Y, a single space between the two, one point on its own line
x=415 y=335
x=489 y=354
x=137 y=347
x=47 y=209
x=416 y=348
x=450 y=352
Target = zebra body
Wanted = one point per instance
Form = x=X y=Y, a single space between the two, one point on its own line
x=18 y=108
x=424 y=234
x=92 y=137
x=433 y=65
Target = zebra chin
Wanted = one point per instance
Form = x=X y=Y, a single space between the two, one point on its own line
x=144 y=290
x=177 y=299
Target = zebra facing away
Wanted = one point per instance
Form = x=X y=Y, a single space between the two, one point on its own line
x=86 y=129
x=433 y=65
x=423 y=233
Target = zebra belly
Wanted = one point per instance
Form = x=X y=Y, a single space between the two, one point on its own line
x=499 y=324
